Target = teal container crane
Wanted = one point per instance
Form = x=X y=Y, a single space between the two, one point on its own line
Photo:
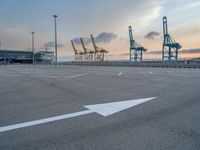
x=136 y=50
x=170 y=47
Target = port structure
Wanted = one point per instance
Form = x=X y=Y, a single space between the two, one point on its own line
x=78 y=54
x=136 y=50
x=88 y=54
x=99 y=52
x=170 y=48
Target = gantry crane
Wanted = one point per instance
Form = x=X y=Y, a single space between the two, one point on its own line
x=99 y=52
x=88 y=54
x=136 y=50
x=170 y=47
x=78 y=55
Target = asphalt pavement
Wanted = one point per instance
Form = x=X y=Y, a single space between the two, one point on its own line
x=170 y=121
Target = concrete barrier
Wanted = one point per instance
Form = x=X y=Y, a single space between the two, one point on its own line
x=137 y=64
x=157 y=64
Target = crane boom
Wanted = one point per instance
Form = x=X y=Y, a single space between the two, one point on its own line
x=131 y=35
x=94 y=45
x=88 y=54
x=83 y=45
x=99 y=52
x=165 y=26
x=78 y=54
x=75 y=51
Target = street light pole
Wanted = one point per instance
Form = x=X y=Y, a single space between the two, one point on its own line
x=33 y=47
x=55 y=16
x=4 y=56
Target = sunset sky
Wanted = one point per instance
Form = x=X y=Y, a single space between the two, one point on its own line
x=108 y=20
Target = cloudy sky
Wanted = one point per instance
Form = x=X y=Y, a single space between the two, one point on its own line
x=107 y=20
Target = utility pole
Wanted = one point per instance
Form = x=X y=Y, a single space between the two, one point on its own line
x=4 y=54
x=55 y=16
x=4 y=58
x=33 y=47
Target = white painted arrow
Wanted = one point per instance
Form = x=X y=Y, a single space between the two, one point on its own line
x=105 y=109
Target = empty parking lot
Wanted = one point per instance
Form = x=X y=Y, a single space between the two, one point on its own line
x=170 y=121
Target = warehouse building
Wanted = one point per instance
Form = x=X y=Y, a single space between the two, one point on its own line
x=25 y=57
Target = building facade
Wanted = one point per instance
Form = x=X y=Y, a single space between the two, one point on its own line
x=25 y=57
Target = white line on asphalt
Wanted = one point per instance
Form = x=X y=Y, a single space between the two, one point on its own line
x=41 y=121
x=48 y=76
x=55 y=76
x=79 y=75
x=119 y=74
x=11 y=75
x=115 y=74
x=51 y=76
x=105 y=110
x=45 y=75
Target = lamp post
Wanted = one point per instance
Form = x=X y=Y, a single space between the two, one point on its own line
x=55 y=16
x=33 y=47
x=4 y=56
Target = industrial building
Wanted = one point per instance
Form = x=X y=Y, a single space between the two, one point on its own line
x=25 y=57
x=44 y=57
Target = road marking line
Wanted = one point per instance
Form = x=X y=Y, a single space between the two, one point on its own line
x=42 y=121
x=44 y=73
x=48 y=76
x=119 y=74
x=79 y=75
x=105 y=110
x=11 y=75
